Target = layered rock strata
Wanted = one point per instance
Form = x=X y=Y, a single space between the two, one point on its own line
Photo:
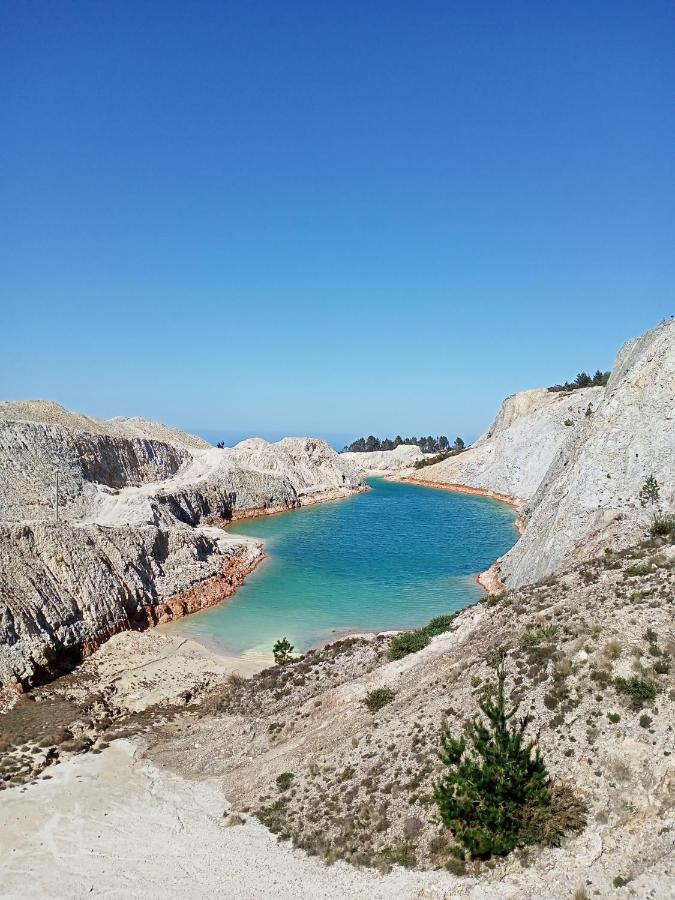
x=134 y=542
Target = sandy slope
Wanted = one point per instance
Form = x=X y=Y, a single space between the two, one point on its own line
x=114 y=826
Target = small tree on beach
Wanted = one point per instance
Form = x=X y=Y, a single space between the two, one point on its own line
x=283 y=651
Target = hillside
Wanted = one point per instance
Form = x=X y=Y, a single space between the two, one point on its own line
x=297 y=748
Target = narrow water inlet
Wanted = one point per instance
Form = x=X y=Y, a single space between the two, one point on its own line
x=390 y=558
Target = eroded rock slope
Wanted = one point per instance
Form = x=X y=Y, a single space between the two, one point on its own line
x=576 y=461
x=589 y=497
x=134 y=542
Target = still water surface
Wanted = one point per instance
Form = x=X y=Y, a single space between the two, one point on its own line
x=390 y=558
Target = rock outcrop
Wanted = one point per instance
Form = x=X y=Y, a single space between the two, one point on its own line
x=135 y=542
x=589 y=497
x=575 y=461
x=397 y=460
x=514 y=454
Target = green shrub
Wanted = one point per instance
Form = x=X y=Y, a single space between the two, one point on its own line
x=378 y=698
x=637 y=690
x=273 y=816
x=412 y=641
x=614 y=718
x=432 y=460
x=495 y=795
x=285 y=780
x=402 y=855
x=456 y=866
x=663 y=526
x=645 y=720
x=662 y=666
x=638 y=570
x=537 y=636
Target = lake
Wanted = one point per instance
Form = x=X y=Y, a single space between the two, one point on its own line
x=390 y=558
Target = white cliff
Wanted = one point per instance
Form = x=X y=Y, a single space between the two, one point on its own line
x=383 y=462
x=513 y=455
x=134 y=542
x=575 y=461
x=588 y=499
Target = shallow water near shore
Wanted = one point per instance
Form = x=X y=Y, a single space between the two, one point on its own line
x=390 y=558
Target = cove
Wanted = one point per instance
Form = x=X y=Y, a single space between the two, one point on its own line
x=390 y=558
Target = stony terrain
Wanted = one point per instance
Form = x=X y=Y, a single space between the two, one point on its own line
x=514 y=454
x=139 y=537
x=337 y=752
x=298 y=748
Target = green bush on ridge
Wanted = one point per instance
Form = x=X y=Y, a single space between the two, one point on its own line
x=412 y=641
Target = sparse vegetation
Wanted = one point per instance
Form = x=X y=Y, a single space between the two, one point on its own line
x=663 y=526
x=583 y=380
x=412 y=641
x=376 y=699
x=638 y=690
x=285 y=780
x=650 y=492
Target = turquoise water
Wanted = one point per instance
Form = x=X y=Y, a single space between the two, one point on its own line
x=390 y=558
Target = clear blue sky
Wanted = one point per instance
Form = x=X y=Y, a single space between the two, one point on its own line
x=330 y=218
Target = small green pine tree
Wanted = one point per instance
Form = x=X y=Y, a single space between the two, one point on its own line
x=484 y=794
x=650 y=491
x=283 y=651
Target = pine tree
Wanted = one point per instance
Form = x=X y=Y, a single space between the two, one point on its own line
x=283 y=652
x=650 y=491
x=486 y=791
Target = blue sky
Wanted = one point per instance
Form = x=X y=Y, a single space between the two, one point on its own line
x=329 y=218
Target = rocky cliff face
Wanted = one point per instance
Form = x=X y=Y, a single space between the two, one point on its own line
x=134 y=542
x=385 y=461
x=577 y=460
x=514 y=454
x=588 y=498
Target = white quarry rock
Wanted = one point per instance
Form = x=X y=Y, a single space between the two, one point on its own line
x=577 y=460
x=136 y=500
x=514 y=454
x=385 y=461
x=589 y=497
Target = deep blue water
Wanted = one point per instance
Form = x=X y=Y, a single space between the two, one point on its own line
x=390 y=558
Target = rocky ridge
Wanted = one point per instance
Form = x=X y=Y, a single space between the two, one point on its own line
x=575 y=462
x=383 y=462
x=136 y=541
